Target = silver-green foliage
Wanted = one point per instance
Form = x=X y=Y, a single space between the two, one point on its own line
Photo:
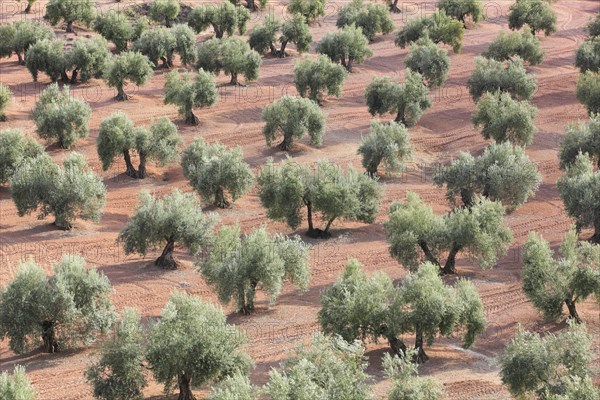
x=164 y=11
x=118 y=374
x=346 y=46
x=537 y=14
x=440 y=27
x=502 y=173
x=581 y=138
x=572 y=278
x=192 y=345
x=429 y=60
x=215 y=171
x=415 y=233
x=70 y=11
x=127 y=66
x=593 y=26
x=579 y=189
x=231 y=55
x=187 y=91
x=87 y=59
x=358 y=307
x=588 y=91
x=157 y=44
x=59 y=116
x=16 y=386
x=237 y=266
x=371 y=18
x=114 y=27
x=587 y=57
x=46 y=56
x=408 y=100
x=315 y=77
x=175 y=218
x=293 y=30
x=406 y=383
x=67 y=309
x=491 y=76
x=15 y=148
x=504 y=119
x=388 y=144
x=460 y=9
x=285 y=190
x=5 y=98
x=235 y=387
x=523 y=44
x=309 y=9
x=225 y=18
x=18 y=36
x=552 y=367
x=293 y=117
x=67 y=192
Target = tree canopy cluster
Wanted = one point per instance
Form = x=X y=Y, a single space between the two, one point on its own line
x=462 y=9
x=16 y=385
x=225 y=18
x=348 y=45
x=387 y=144
x=231 y=55
x=439 y=27
x=581 y=138
x=15 y=148
x=537 y=14
x=293 y=30
x=309 y=9
x=371 y=18
x=128 y=66
x=117 y=28
x=524 y=45
x=17 y=37
x=314 y=77
x=163 y=43
x=510 y=77
x=190 y=90
x=5 y=98
x=70 y=12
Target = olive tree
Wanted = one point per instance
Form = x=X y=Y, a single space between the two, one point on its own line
x=502 y=173
x=371 y=18
x=47 y=56
x=118 y=136
x=175 y=218
x=118 y=372
x=359 y=307
x=69 y=308
x=58 y=116
x=66 y=192
x=440 y=27
x=522 y=44
x=593 y=26
x=587 y=57
x=406 y=383
x=504 y=119
x=491 y=76
x=550 y=283
x=231 y=55
x=251 y=4
x=15 y=148
x=346 y=46
x=214 y=171
x=16 y=386
x=552 y=367
x=237 y=266
x=225 y=18
x=388 y=144
x=416 y=234
x=236 y=386
x=588 y=91
x=429 y=60
x=17 y=37
x=294 y=30
x=287 y=189
x=30 y=3
x=87 y=59
x=193 y=345
x=461 y=9
x=309 y=9
x=164 y=11
x=114 y=27
x=157 y=44
x=579 y=189
x=581 y=138
x=293 y=117
x=313 y=77
x=187 y=91
x=408 y=100
x=127 y=66
x=5 y=98
x=537 y=14
x=70 y=11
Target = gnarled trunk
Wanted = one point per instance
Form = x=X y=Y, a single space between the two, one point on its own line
x=185 y=390
x=70 y=27
x=28 y=8
x=61 y=222
x=141 y=174
x=121 y=96
x=282 y=51
x=397 y=345
x=74 y=76
x=191 y=119
x=573 y=310
x=466 y=196
x=20 y=59
x=420 y=356
x=349 y=64
x=449 y=267
x=428 y=254
x=251 y=5
x=234 y=80
x=130 y=171
x=220 y=200
x=286 y=143
x=166 y=260
x=49 y=337
x=218 y=32
x=326 y=231
x=394 y=7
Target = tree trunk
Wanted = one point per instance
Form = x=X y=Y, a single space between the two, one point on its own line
x=349 y=64
x=250 y=297
x=166 y=260
x=251 y=5
x=70 y=27
x=49 y=337
x=394 y=7
x=191 y=119
x=596 y=237
x=286 y=143
x=220 y=200
x=185 y=391
x=2 y=117
x=449 y=267
x=428 y=254
x=62 y=223
x=573 y=310
x=400 y=117
x=20 y=59
x=420 y=356
x=372 y=170
x=141 y=174
x=167 y=22
x=218 y=32
x=273 y=49
x=74 y=76
x=121 y=96
x=397 y=346
x=234 y=80
x=130 y=171
x=282 y=51
x=326 y=231
x=466 y=195
x=309 y=215
x=165 y=62
x=28 y=8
